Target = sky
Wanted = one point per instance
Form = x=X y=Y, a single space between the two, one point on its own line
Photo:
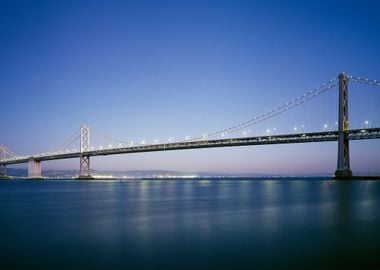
x=141 y=70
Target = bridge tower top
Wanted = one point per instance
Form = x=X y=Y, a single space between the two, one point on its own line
x=84 y=138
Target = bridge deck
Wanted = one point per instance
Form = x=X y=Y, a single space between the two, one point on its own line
x=357 y=134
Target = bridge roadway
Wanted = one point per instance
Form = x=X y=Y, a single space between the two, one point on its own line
x=327 y=136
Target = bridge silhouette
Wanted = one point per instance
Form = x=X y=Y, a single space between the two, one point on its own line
x=342 y=135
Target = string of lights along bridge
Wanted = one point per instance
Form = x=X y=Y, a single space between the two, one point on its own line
x=318 y=115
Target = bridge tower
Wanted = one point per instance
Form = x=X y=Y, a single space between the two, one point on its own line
x=343 y=168
x=3 y=169
x=84 y=172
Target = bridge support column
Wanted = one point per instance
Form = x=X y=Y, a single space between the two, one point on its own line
x=343 y=168
x=3 y=169
x=34 y=169
x=3 y=172
x=84 y=171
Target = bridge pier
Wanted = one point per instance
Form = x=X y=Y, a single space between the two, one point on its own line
x=3 y=172
x=343 y=167
x=3 y=169
x=84 y=171
x=34 y=169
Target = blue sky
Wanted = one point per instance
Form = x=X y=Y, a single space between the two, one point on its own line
x=158 y=69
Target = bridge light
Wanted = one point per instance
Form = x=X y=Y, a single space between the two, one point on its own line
x=367 y=124
x=110 y=146
x=268 y=130
x=142 y=142
x=156 y=140
x=170 y=139
x=187 y=138
x=295 y=128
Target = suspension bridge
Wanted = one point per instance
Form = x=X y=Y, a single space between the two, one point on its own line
x=338 y=131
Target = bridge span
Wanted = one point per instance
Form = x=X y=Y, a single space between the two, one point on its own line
x=342 y=135
x=329 y=136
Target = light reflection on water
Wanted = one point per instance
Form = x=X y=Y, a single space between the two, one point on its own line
x=220 y=224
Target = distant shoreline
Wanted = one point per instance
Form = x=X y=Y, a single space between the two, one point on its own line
x=207 y=178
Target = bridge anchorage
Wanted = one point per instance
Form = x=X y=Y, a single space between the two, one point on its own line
x=342 y=134
x=34 y=169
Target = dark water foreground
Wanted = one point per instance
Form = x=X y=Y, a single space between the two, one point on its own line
x=188 y=224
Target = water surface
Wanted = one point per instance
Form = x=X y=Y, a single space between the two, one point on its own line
x=190 y=224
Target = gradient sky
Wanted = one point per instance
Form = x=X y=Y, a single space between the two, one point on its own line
x=158 y=69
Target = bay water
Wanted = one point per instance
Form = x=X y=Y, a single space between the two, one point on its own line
x=307 y=223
